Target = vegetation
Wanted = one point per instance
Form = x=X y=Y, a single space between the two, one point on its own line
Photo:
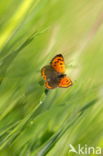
x=38 y=123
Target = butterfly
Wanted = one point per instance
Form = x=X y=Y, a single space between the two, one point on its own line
x=54 y=74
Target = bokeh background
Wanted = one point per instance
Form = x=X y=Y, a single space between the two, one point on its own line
x=35 y=123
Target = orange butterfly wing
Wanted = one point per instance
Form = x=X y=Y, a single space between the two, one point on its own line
x=43 y=73
x=48 y=86
x=65 y=82
x=57 y=63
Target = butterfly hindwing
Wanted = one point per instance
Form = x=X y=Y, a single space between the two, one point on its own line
x=65 y=82
x=49 y=85
x=57 y=63
x=50 y=77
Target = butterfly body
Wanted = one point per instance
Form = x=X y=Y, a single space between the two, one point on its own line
x=53 y=74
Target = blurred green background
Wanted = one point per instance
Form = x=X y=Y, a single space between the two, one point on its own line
x=33 y=123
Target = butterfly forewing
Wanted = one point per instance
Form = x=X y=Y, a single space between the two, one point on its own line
x=43 y=70
x=57 y=63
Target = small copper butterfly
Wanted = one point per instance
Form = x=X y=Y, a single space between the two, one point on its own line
x=54 y=74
